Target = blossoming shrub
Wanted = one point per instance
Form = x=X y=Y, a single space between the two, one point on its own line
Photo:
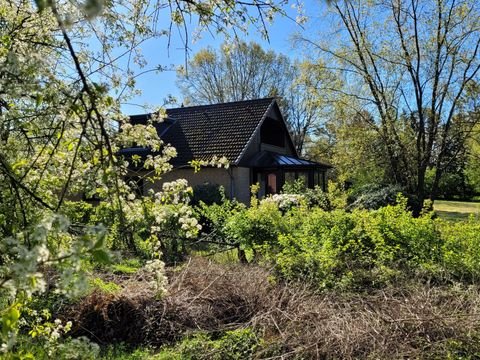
x=285 y=202
x=315 y=197
x=157 y=221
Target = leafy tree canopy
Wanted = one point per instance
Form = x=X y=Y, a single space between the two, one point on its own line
x=410 y=65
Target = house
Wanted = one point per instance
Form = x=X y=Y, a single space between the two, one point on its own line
x=251 y=134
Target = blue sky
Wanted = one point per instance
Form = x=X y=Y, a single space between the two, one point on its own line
x=156 y=87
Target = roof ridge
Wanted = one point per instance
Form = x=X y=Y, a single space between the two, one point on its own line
x=223 y=103
x=227 y=103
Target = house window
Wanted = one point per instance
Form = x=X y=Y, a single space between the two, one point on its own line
x=260 y=179
x=272 y=133
x=304 y=178
x=319 y=179
x=292 y=176
x=268 y=181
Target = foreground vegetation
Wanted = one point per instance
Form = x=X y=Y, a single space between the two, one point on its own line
x=340 y=276
x=238 y=311
x=290 y=276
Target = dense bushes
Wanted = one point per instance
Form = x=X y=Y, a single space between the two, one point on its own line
x=159 y=223
x=461 y=249
x=359 y=249
x=373 y=196
x=381 y=264
x=240 y=311
x=315 y=197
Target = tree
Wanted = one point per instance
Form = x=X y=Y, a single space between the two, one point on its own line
x=65 y=69
x=307 y=103
x=239 y=71
x=472 y=167
x=242 y=71
x=407 y=60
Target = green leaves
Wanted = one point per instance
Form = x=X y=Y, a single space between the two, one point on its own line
x=42 y=4
x=101 y=256
x=93 y=8
x=10 y=318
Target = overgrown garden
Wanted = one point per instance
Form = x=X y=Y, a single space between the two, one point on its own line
x=298 y=276
x=90 y=269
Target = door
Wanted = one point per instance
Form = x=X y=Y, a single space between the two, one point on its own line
x=271 y=183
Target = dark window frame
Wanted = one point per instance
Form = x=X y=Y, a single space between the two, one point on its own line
x=272 y=133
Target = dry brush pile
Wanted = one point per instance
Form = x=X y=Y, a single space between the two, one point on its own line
x=417 y=321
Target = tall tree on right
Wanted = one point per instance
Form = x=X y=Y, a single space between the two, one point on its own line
x=410 y=64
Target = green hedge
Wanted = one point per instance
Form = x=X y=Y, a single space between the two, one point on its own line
x=358 y=249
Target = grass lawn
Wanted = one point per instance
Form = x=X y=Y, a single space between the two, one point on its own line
x=456 y=210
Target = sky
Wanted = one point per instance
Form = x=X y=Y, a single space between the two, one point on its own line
x=156 y=87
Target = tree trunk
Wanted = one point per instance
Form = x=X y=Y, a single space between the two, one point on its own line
x=417 y=206
x=242 y=257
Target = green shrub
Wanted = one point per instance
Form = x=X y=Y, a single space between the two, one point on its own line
x=373 y=196
x=461 y=249
x=78 y=211
x=256 y=227
x=358 y=249
x=214 y=217
x=315 y=197
x=231 y=345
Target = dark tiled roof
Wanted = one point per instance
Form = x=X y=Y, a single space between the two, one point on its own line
x=200 y=132
x=267 y=159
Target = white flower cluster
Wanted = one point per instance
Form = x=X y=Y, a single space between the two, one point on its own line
x=301 y=17
x=159 y=163
x=52 y=332
x=285 y=201
x=181 y=215
x=40 y=326
x=175 y=192
x=139 y=135
x=215 y=161
x=23 y=272
x=159 y=280
x=168 y=209
x=188 y=223
x=23 y=257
